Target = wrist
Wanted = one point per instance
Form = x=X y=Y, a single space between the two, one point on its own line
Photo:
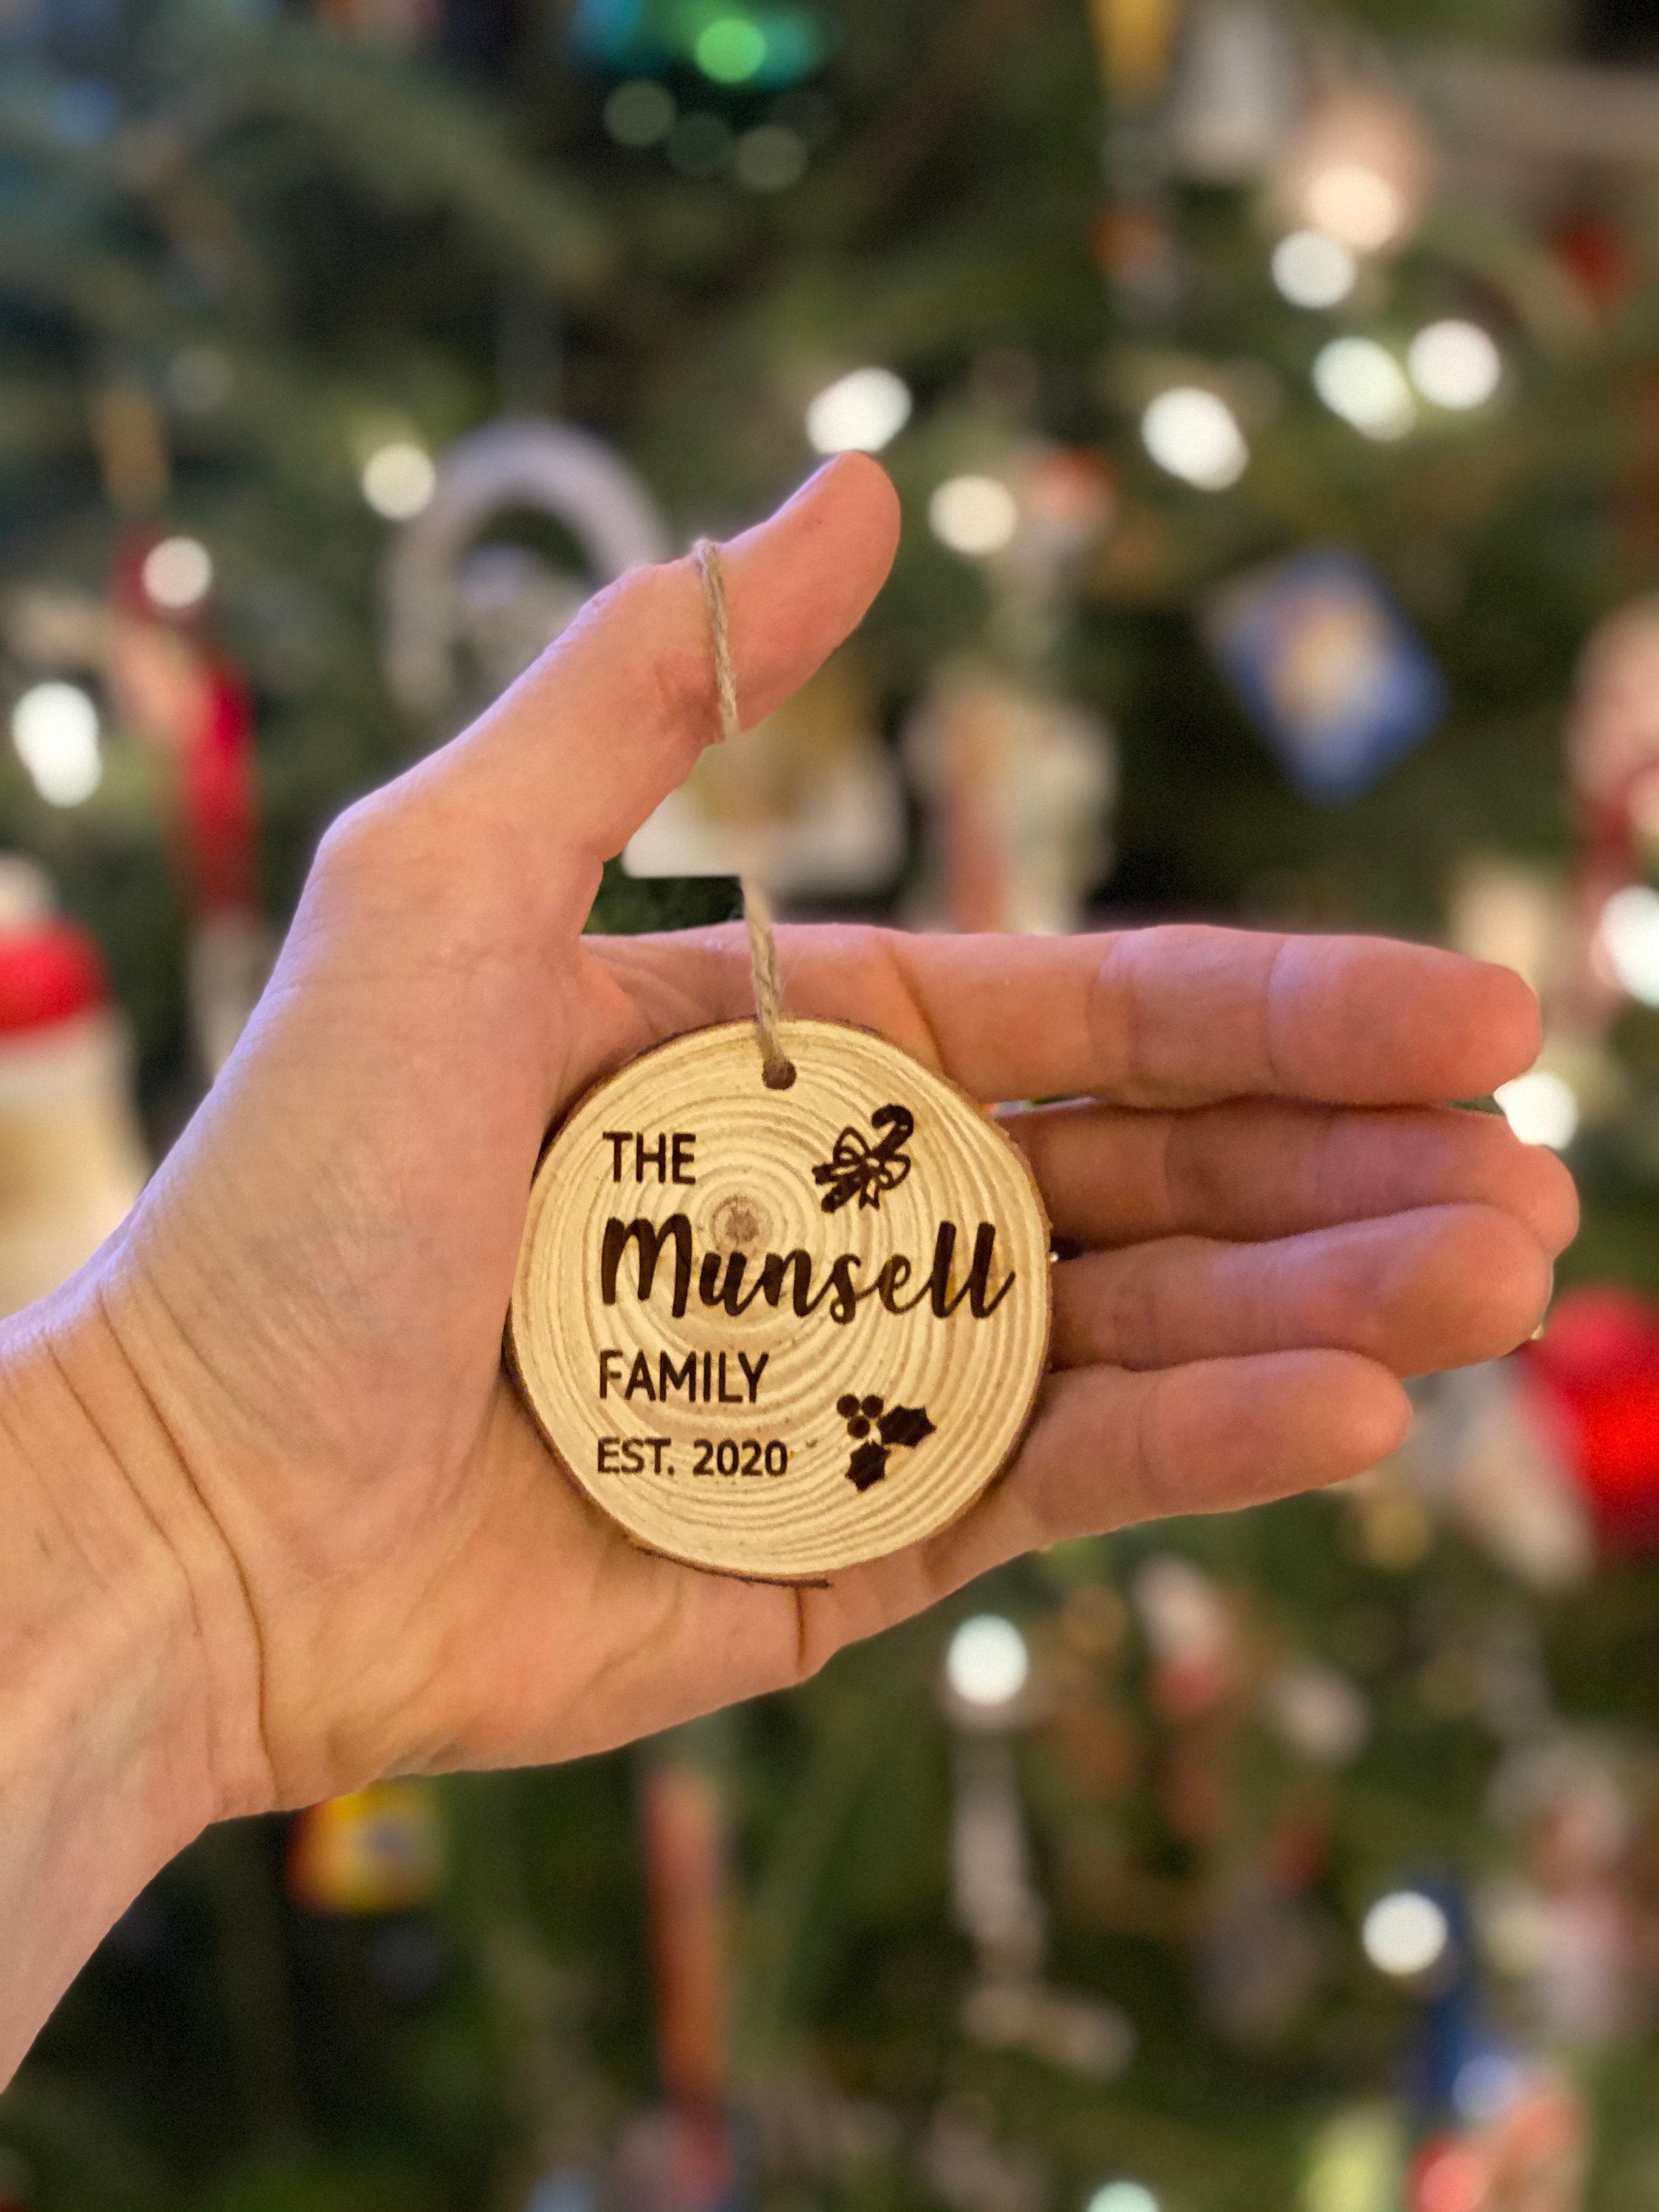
x=118 y=1615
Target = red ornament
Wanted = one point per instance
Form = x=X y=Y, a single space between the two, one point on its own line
x=1598 y=258
x=49 y=971
x=1593 y=1378
x=1449 y=2175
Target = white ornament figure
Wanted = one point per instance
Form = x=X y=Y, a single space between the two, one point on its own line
x=1235 y=90
x=1482 y=1455
x=1019 y=786
x=453 y=598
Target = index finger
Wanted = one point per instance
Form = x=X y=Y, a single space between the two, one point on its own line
x=1177 y=1015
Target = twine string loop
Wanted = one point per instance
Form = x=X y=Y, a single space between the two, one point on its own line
x=777 y=1069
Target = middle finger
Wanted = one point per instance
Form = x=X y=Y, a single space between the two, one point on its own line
x=1257 y=1168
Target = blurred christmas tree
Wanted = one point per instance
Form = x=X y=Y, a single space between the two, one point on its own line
x=1290 y=405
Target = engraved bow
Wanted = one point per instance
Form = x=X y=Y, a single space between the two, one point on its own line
x=858 y=1169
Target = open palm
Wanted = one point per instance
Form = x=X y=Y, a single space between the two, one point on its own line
x=1273 y=1217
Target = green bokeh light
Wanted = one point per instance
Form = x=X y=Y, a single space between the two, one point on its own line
x=731 y=49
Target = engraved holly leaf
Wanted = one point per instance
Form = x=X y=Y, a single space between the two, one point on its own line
x=894 y=1428
x=904 y=1424
x=867 y=1465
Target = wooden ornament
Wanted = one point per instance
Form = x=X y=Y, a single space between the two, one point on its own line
x=776 y=1332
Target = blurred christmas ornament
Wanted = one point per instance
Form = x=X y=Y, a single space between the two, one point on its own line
x=1484 y=1456
x=995 y=1902
x=464 y=616
x=1078 y=2034
x=969 y=2171
x=1260 y=1959
x=809 y=801
x=1613 y=729
x=1593 y=1377
x=374 y=1851
x=1135 y=41
x=1018 y=787
x=683 y=2160
x=1235 y=89
x=1512 y=912
x=1010 y=2007
x=1359 y=169
x=1329 y=668
x=72 y=1157
x=1031 y=524
x=184 y=701
x=1136 y=240
x=1392 y=1527
x=1449 y=2175
x=1356 y=2162
x=1612 y=753
x=1565 y=1924
x=1317 y=1713
x=1599 y=256
x=1532 y=2157
x=1189 y=1633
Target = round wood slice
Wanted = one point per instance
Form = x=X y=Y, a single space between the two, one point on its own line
x=779 y=1332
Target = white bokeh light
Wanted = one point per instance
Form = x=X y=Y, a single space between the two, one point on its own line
x=987 y=1662
x=1629 y=931
x=54 y=728
x=1311 y=268
x=398 y=480
x=974 y=516
x=1358 y=204
x=1405 y=1933
x=1122 y=2197
x=1195 y=435
x=1541 y=1108
x=1454 y=364
x=178 y=574
x=1362 y=382
x=860 y=413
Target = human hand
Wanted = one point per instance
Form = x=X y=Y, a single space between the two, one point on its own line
x=294 y=1348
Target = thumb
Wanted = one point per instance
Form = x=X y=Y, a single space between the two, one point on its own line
x=614 y=713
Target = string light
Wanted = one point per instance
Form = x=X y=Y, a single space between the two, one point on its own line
x=1362 y=382
x=860 y=413
x=974 y=516
x=398 y=480
x=1194 y=434
x=1313 y=269
x=1629 y=935
x=1454 y=364
x=639 y=112
x=730 y=50
x=1356 y=203
x=176 y=574
x=1405 y=1933
x=987 y=1664
x=54 y=728
x=771 y=158
x=1123 y=2196
x=1541 y=1108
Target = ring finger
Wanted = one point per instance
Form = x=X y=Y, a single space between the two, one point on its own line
x=1440 y=1286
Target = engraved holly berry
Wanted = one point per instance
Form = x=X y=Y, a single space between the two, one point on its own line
x=894 y=1427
